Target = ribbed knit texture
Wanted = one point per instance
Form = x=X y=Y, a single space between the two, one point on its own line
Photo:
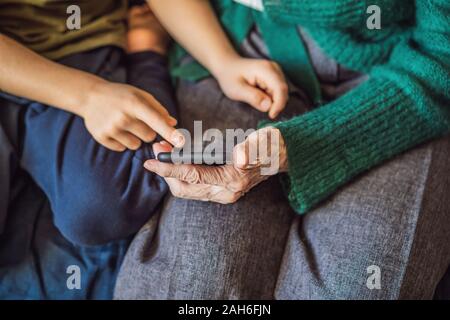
x=328 y=146
x=334 y=13
x=405 y=102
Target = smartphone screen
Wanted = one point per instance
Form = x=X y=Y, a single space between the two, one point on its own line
x=195 y=158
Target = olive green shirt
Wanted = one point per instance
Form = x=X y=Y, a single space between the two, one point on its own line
x=41 y=25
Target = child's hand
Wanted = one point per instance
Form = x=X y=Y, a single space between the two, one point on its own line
x=121 y=117
x=260 y=83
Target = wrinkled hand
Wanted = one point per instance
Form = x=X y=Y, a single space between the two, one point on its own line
x=260 y=83
x=228 y=183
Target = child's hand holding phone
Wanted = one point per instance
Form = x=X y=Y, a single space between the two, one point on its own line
x=121 y=117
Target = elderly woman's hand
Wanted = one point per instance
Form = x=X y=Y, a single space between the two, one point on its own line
x=260 y=156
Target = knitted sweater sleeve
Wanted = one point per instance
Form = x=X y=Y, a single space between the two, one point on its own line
x=405 y=102
x=330 y=13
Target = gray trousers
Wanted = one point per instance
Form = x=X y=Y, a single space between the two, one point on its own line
x=395 y=217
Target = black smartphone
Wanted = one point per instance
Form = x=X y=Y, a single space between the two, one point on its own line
x=195 y=158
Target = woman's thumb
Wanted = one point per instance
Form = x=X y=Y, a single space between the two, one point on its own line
x=240 y=156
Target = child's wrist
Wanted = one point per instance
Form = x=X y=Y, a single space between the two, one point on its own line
x=83 y=99
x=217 y=66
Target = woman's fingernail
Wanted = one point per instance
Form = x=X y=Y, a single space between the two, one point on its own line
x=266 y=103
x=164 y=142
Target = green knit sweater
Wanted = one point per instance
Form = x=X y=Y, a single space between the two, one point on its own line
x=405 y=102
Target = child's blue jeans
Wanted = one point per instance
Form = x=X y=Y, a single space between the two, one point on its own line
x=96 y=195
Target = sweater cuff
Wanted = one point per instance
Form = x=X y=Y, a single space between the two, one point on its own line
x=332 y=144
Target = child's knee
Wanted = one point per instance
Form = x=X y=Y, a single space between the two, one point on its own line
x=90 y=224
x=96 y=216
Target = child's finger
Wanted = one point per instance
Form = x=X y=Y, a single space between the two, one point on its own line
x=271 y=78
x=280 y=98
x=113 y=145
x=128 y=140
x=158 y=106
x=142 y=131
x=158 y=123
x=278 y=88
x=255 y=97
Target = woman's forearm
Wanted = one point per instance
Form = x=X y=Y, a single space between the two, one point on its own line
x=195 y=26
x=26 y=74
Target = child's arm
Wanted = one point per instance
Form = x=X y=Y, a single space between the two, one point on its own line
x=118 y=116
x=194 y=25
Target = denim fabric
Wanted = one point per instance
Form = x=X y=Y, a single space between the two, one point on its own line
x=86 y=183
x=53 y=173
